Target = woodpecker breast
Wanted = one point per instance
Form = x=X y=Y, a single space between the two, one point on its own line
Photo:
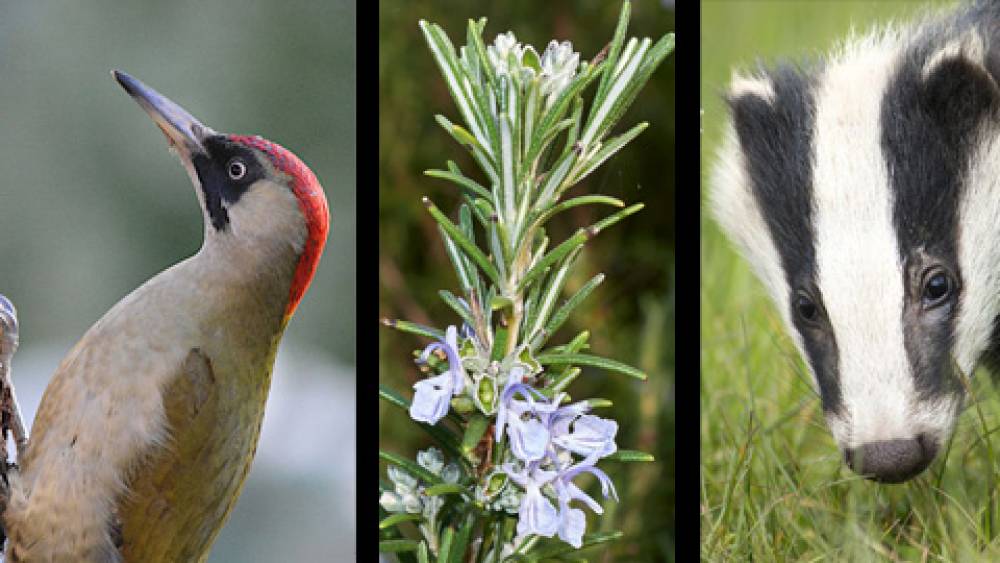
x=863 y=190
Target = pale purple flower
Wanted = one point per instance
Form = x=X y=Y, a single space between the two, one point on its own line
x=529 y=435
x=572 y=521
x=433 y=395
x=526 y=421
x=537 y=514
x=572 y=524
x=587 y=435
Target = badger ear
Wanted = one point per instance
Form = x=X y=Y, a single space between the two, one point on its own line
x=751 y=108
x=960 y=82
x=742 y=86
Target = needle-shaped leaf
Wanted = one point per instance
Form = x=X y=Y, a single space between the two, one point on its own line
x=411 y=467
x=461 y=541
x=392 y=397
x=555 y=549
x=461 y=309
x=652 y=59
x=531 y=304
x=507 y=168
x=444 y=489
x=464 y=181
x=458 y=261
x=397 y=519
x=474 y=37
x=592 y=361
x=601 y=118
x=614 y=50
x=467 y=140
x=482 y=210
x=577 y=201
x=578 y=343
x=462 y=241
x=630 y=456
x=578 y=239
x=562 y=381
x=552 y=290
x=559 y=108
x=568 y=306
x=465 y=224
x=554 y=180
x=455 y=78
x=444 y=552
x=396 y=546
x=531 y=163
x=414 y=328
x=608 y=148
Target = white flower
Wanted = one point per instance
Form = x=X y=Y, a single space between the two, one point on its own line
x=501 y=50
x=559 y=65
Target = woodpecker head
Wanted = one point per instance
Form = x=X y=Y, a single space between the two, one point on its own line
x=258 y=198
x=865 y=191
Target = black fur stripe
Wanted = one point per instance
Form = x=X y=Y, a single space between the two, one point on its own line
x=777 y=141
x=929 y=127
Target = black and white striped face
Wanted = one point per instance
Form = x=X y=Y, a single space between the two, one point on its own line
x=866 y=194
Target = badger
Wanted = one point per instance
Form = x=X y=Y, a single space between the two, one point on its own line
x=864 y=190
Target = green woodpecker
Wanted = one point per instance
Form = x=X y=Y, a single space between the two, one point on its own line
x=146 y=433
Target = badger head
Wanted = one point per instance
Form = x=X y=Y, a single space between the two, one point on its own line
x=865 y=192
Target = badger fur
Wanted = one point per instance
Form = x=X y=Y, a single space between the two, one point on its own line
x=864 y=189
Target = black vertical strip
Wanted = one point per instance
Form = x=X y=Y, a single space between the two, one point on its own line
x=929 y=125
x=776 y=136
x=686 y=400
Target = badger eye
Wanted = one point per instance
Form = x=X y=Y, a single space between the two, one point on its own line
x=237 y=169
x=806 y=308
x=937 y=288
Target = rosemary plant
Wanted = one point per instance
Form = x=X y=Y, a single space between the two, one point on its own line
x=511 y=442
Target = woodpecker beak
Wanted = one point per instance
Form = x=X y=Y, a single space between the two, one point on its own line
x=183 y=131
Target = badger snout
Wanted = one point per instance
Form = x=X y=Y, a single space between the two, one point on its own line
x=895 y=438
x=892 y=461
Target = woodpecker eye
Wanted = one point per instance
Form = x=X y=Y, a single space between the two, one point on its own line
x=937 y=288
x=237 y=169
x=806 y=308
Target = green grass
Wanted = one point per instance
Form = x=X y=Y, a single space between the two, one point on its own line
x=773 y=485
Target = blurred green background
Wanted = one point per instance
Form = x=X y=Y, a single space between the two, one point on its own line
x=630 y=316
x=774 y=486
x=92 y=205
